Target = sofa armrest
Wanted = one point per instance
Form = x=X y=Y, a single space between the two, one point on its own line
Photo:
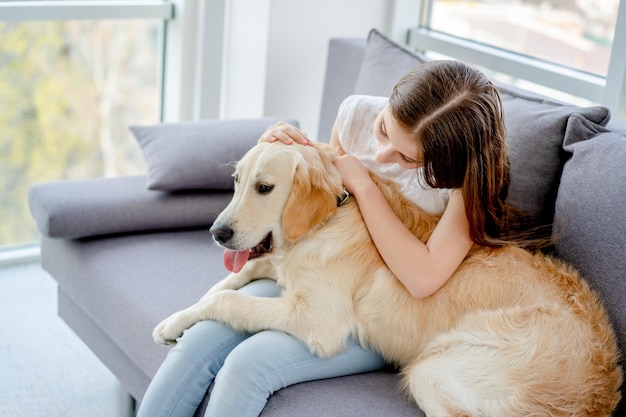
x=104 y=206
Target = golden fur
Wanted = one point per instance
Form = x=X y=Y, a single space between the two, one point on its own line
x=510 y=334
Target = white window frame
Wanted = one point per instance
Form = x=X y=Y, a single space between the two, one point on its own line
x=76 y=10
x=194 y=60
x=609 y=91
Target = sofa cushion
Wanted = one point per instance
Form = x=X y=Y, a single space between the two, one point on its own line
x=535 y=126
x=384 y=63
x=343 y=62
x=589 y=221
x=106 y=206
x=535 y=133
x=197 y=155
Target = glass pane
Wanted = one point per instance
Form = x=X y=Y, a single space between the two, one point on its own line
x=68 y=92
x=573 y=33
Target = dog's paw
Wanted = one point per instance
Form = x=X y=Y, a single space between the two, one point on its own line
x=170 y=329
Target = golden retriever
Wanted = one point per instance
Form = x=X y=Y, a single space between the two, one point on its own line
x=511 y=333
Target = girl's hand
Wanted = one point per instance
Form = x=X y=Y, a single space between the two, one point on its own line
x=285 y=133
x=354 y=174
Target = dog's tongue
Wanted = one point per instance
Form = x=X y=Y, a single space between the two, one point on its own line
x=235 y=260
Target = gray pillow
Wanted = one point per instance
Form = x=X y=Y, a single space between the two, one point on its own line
x=384 y=63
x=535 y=126
x=589 y=220
x=535 y=131
x=197 y=155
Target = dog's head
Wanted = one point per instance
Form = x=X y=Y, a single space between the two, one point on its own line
x=281 y=193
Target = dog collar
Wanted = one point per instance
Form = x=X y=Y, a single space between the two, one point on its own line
x=345 y=195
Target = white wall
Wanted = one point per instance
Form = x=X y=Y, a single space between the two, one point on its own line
x=275 y=54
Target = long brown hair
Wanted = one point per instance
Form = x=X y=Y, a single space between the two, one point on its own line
x=455 y=114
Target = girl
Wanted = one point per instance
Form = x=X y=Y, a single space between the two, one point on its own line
x=440 y=135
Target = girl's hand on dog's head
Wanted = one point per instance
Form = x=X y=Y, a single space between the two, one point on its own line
x=285 y=133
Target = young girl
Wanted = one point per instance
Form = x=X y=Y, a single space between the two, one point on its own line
x=440 y=135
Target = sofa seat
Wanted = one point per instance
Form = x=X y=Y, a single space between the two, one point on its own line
x=123 y=285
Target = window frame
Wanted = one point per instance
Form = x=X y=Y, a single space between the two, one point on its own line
x=609 y=91
x=77 y=10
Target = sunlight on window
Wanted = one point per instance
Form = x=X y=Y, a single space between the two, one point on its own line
x=69 y=92
x=573 y=33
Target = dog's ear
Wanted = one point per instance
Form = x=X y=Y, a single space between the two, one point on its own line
x=311 y=201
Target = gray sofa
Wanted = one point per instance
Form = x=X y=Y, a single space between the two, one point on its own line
x=127 y=252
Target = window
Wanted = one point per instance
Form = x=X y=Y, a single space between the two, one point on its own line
x=75 y=74
x=73 y=77
x=576 y=34
x=559 y=46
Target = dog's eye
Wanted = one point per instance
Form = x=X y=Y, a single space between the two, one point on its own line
x=264 y=188
x=236 y=177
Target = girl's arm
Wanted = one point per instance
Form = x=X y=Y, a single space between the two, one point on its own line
x=422 y=268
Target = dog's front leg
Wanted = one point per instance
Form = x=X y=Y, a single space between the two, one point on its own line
x=289 y=313
x=172 y=327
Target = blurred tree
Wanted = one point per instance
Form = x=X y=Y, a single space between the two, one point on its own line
x=68 y=91
x=118 y=86
x=34 y=144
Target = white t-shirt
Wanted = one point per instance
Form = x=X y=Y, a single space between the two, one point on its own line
x=355 y=128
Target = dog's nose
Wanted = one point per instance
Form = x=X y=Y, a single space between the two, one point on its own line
x=221 y=233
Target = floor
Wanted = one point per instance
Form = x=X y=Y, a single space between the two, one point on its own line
x=45 y=369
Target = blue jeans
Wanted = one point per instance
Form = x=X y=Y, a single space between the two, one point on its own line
x=247 y=368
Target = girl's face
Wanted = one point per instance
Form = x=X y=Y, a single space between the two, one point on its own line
x=395 y=145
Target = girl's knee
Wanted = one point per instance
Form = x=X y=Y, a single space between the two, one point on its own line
x=278 y=351
x=244 y=359
x=201 y=332
x=262 y=288
x=206 y=339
